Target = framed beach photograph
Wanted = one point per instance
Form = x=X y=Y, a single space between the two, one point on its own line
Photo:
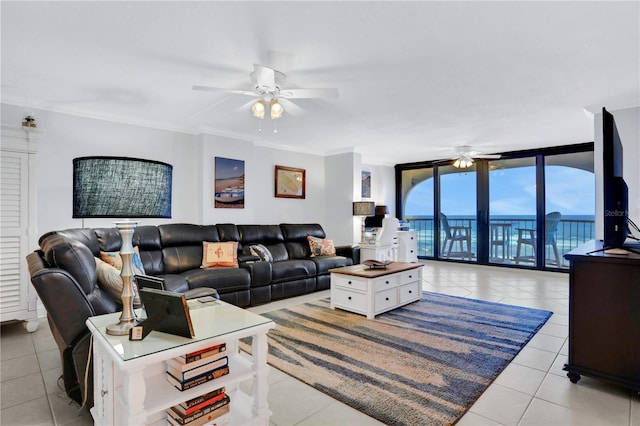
x=366 y=184
x=289 y=182
x=229 y=183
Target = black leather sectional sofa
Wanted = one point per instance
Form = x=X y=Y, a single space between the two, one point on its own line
x=63 y=272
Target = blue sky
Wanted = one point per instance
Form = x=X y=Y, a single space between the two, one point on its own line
x=569 y=190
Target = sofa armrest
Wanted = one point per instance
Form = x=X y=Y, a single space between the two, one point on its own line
x=260 y=272
x=351 y=251
x=246 y=258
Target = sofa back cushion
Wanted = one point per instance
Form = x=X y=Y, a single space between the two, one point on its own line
x=182 y=245
x=84 y=235
x=268 y=235
x=295 y=236
x=147 y=239
x=72 y=256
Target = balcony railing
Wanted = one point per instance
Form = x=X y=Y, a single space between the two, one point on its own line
x=570 y=234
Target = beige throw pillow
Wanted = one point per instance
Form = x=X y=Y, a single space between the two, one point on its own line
x=109 y=279
x=220 y=254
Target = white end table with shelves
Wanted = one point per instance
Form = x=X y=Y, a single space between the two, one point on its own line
x=130 y=385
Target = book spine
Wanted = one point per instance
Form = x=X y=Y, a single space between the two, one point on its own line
x=219 y=417
x=180 y=365
x=198 y=371
x=196 y=355
x=186 y=419
x=195 y=401
x=201 y=405
x=180 y=385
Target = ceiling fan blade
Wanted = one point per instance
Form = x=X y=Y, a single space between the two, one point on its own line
x=265 y=76
x=220 y=89
x=487 y=156
x=291 y=108
x=309 y=93
x=246 y=106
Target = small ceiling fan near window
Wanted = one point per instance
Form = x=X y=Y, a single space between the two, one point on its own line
x=272 y=97
x=465 y=156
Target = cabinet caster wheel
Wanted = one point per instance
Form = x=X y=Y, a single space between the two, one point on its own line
x=573 y=377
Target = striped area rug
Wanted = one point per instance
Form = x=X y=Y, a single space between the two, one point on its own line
x=422 y=364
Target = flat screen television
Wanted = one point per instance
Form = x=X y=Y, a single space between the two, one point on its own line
x=616 y=193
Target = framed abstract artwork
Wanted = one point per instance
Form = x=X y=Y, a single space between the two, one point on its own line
x=366 y=184
x=229 y=183
x=289 y=182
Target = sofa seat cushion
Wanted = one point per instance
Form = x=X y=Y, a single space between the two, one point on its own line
x=224 y=280
x=292 y=269
x=324 y=263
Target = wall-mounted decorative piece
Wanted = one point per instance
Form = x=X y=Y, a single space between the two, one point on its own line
x=229 y=183
x=290 y=182
x=366 y=184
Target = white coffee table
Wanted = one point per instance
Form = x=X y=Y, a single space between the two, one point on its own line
x=370 y=292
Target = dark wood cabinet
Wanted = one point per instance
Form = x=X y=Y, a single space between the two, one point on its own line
x=604 y=316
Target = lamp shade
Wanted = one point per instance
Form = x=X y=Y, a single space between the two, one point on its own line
x=363 y=208
x=121 y=187
x=382 y=210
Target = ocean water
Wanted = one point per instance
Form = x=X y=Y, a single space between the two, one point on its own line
x=573 y=230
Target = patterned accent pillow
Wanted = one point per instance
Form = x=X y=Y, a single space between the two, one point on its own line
x=109 y=280
x=220 y=254
x=114 y=259
x=261 y=251
x=320 y=247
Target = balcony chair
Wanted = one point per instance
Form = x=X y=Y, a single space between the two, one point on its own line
x=527 y=237
x=455 y=234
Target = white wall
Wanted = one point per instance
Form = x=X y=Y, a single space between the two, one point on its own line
x=383 y=187
x=66 y=137
x=332 y=183
x=261 y=206
x=343 y=179
x=628 y=124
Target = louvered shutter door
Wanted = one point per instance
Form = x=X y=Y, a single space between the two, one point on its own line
x=13 y=220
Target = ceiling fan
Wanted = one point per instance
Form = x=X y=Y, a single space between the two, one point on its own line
x=465 y=156
x=268 y=87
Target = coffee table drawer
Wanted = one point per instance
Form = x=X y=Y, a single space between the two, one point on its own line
x=353 y=283
x=386 y=300
x=410 y=276
x=410 y=292
x=350 y=300
x=384 y=283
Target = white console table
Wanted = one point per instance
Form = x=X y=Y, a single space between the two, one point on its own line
x=130 y=386
x=370 y=292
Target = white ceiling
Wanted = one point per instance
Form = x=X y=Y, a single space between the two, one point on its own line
x=416 y=79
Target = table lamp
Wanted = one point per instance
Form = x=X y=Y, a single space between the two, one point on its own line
x=363 y=209
x=123 y=188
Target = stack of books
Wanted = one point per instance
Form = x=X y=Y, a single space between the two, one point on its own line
x=195 y=368
x=209 y=409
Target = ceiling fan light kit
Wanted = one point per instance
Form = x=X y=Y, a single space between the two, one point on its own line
x=465 y=157
x=267 y=87
x=258 y=109
x=276 y=109
x=463 y=162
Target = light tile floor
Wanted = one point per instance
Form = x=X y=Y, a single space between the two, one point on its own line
x=533 y=389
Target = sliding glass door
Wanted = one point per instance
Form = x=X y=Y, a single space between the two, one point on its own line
x=512 y=211
x=526 y=209
x=458 y=213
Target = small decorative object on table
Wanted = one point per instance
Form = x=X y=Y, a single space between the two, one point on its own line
x=376 y=264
